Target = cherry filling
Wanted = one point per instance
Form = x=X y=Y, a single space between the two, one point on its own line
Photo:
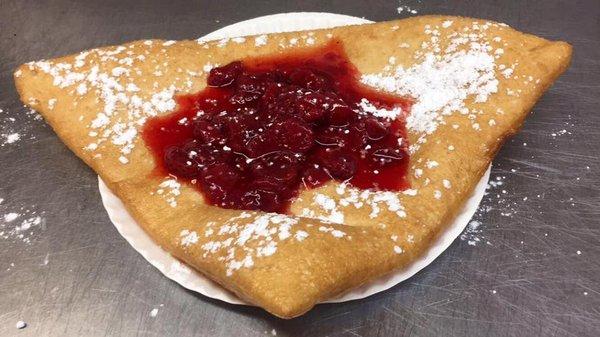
x=265 y=127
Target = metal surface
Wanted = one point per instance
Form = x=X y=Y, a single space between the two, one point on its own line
x=534 y=272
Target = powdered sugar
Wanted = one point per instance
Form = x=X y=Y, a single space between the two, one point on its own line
x=242 y=239
x=406 y=9
x=441 y=81
x=330 y=209
x=123 y=111
x=15 y=130
x=494 y=199
x=250 y=235
x=335 y=232
x=9 y=217
x=300 y=235
x=10 y=138
x=368 y=107
x=470 y=234
x=169 y=189
x=260 y=40
x=20 y=223
x=440 y=87
x=188 y=237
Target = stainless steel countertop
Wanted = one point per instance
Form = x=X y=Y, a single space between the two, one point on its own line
x=534 y=272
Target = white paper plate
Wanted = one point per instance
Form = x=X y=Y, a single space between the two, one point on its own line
x=189 y=278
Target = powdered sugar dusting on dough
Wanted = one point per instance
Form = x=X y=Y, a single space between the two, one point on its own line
x=442 y=80
x=169 y=189
x=368 y=107
x=188 y=237
x=331 y=209
x=251 y=235
x=123 y=110
x=260 y=40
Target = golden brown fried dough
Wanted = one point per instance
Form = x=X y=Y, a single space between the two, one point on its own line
x=473 y=82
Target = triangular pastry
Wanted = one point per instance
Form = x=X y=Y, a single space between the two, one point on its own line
x=457 y=86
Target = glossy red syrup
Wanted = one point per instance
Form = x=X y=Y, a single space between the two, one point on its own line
x=266 y=127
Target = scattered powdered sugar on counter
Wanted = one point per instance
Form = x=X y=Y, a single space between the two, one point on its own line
x=471 y=233
x=561 y=132
x=495 y=200
x=19 y=224
x=10 y=138
x=23 y=230
x=13 y=130
x=9 y=217
x=406 y=9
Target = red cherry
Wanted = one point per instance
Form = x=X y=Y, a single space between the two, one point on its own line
x=292 y=135
x=341 y=115
x=207 y=131
x=387 y=156
x=312 y=106
x=220 y=176
x=178 y=162
x=279 y=166
x=261 y=199
x=331 y=137
x=340 y=166
x=375 y=129
x=310 y=79
x=224 y=76
x=249 y=88
x=314 y=176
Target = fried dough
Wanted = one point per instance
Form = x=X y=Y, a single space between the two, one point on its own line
x=473 y=82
